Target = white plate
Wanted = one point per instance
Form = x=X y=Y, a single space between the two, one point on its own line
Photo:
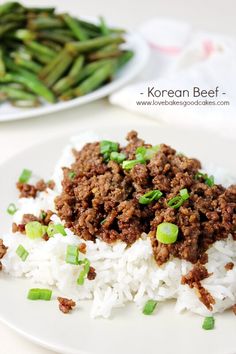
x=128 y=331
x=123 y=76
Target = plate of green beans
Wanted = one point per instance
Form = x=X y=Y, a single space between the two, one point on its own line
x=52 y=61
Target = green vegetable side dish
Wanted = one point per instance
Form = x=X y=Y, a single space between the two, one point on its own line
x=149 y=307
x=167 y=233
x=53 y=57
x=208 y=323
x=39 y=294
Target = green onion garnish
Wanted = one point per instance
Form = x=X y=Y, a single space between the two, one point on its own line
x=167 y=232
x=149 y=197
x=72 y=255
x=39 y=294
x=11 y=209
x=147 y=153
x=118 y=157
x=22 y=253
x=35 y=230
x=208 y=323
x=54 y=229
x=84 y=272
x=177 y=201
x=43 y=215
x=129 y=164
x=25 y=176
x=184 y=194
x=102 y=222
x=209 y=181
x=71 y=175
x=149 y=307
x=107 y=147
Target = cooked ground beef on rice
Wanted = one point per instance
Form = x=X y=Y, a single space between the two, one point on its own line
x=101 y=199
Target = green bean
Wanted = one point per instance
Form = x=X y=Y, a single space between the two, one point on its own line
x=31 y=82
x=17 y=94
x=6 y=27
x=40 y=49
x=40 y=23
x=50 y=66
x=109 y=51
x=59 y=69
x=85 y=46
x=12 y=17
x=55 y=46
x=67 y=95
x=95 y=80
x=39 y=10
x=27 y=64
x=75 y=27
x=103 y=27
x=71 y=79
x=124 y=58
x=2 y=64
x=23 y=35
x=54 y=36
x=25 y=103
x=8 y=7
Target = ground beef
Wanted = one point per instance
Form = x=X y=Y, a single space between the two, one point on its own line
x=229 y=266
x=234 y=309
x=3 y=251
x=100 y=199
x=82 y=248
x=193 y=280
x=30 y=191
x=91 y=274
x=65 y=305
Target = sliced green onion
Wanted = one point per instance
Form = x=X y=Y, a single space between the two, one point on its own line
x=209 y=181
x=149 y=307
x=54 y=229
x=11 y=209
x=208 y=323
x=167 y=233
x=102 y=222
x=117 y=156
x=147 y=153
x=107 y=146
x=72 y=255
x=175 y=202
x=39 y=294
x=129 y=164
x=184 y=194
x=149 y=197
x=71 y=175
x=84 y=272
x=22 y=253
x=25 y=176
x=35 y=230
x=43 y=215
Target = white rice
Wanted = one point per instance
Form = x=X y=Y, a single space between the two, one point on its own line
x=124 y=274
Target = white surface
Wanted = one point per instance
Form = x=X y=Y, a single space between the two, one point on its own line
x=209 y=15
x=123 y=76
x=43 y=323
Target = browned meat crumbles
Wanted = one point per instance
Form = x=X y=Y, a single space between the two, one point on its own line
x=193 y=280
x=30 y=191
x=65 y=305
x=91 y=274
x=3 y=251
x=82 y=248
x=101 y=199
x=234 y=309
x=229 y=266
